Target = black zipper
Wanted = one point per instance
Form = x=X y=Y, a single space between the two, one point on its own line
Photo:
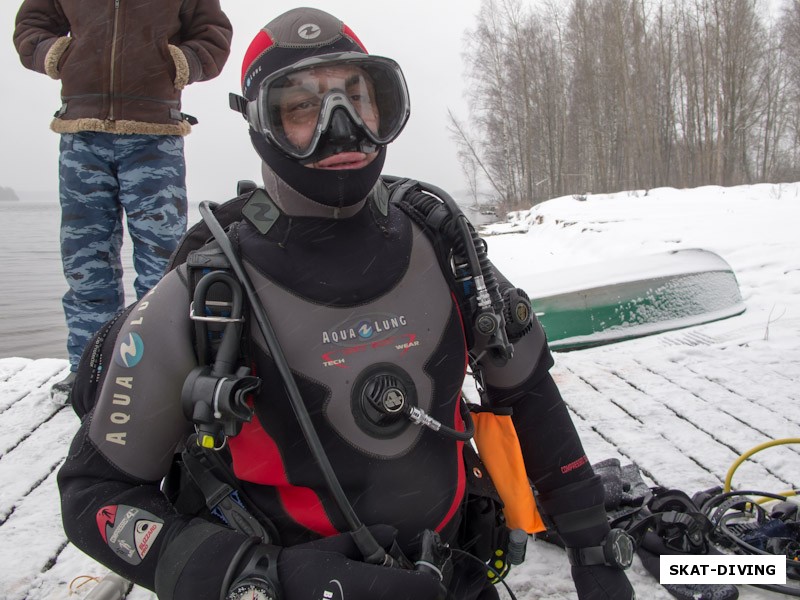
x=113 y=59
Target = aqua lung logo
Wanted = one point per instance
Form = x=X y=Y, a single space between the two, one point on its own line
x=366 y=329
x=130 y=351
x=309 y=31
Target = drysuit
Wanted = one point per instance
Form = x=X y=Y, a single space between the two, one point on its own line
x=352 y=300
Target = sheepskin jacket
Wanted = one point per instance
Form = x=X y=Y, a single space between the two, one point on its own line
x=123 y=63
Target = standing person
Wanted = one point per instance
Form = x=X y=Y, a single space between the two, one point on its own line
x=122 y=67
x=371 y=342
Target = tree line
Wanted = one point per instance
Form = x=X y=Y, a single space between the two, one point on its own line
x=594 y=96
x=7 y=193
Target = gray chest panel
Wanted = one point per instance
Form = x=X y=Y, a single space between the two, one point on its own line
x=333 y=345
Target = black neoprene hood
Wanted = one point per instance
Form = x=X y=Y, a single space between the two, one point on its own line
x=294 y=36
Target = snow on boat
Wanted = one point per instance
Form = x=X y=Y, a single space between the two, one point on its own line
x=602 y=303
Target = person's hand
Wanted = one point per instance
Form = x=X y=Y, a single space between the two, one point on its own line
x=599 y=582
x=309 y=571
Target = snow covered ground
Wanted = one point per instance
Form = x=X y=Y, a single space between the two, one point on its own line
x=681 y=405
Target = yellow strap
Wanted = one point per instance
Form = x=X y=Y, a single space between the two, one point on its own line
x=498 y=447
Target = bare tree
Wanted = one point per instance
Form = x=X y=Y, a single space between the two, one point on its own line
x=603 y=95
x=469 y=156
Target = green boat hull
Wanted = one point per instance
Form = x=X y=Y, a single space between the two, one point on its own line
x=638 y=297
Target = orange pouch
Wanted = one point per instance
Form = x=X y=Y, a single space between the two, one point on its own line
x=498 y=447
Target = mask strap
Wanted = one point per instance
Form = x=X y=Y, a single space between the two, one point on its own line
x=239 y=104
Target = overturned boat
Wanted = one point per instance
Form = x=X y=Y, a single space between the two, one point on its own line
x=604 y=303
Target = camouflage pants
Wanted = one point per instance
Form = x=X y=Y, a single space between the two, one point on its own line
x=100 y=176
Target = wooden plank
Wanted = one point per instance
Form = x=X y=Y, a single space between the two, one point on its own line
x=34 y=377
x=71 y=568
x=26 y=416
x=634 y=438
x=9 y=367
x=36 y=457
x=33 y=538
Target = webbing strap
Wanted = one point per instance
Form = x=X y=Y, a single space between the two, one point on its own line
x=219 y=497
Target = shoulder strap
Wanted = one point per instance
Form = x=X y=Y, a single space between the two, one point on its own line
x=199 y=234
x=222 y=495
x=462 y=257
x=433 y=217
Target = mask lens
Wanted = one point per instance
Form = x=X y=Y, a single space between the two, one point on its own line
x=295 y=106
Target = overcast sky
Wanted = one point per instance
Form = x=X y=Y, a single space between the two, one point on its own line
x=425 y=36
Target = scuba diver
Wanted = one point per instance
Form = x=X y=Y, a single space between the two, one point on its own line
x=336 y=387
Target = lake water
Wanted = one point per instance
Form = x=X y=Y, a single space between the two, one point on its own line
x=31 y=281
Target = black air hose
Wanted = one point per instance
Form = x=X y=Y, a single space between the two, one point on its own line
x=487 y=269
x=435 y=210
x=453 y=227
